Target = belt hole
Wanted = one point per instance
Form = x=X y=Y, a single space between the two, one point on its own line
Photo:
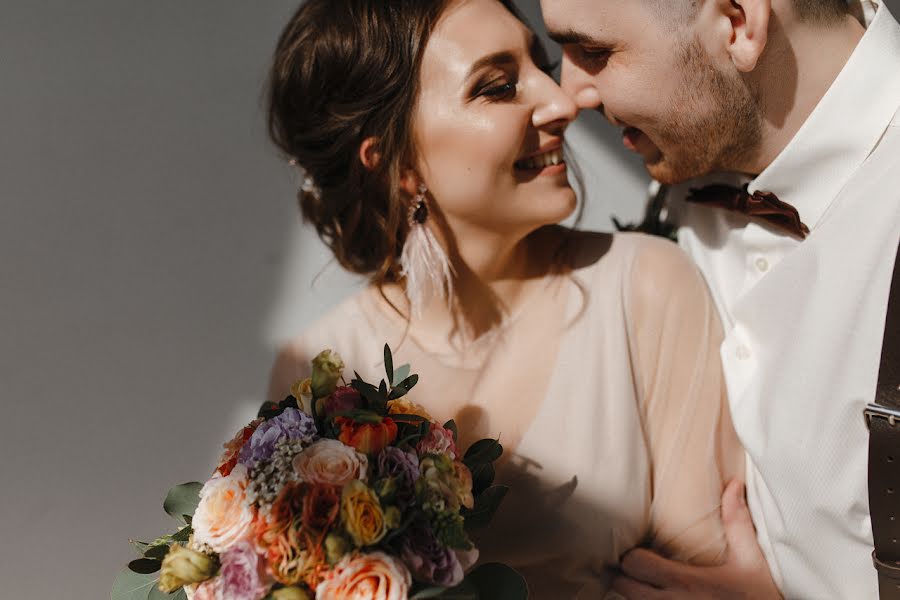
x=890 y=459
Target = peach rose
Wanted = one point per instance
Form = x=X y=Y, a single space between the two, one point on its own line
x=330 y=462
x=374 y=576
x=370 y=438
x=224 y=515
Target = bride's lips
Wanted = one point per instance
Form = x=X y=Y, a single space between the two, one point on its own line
x=548 y=160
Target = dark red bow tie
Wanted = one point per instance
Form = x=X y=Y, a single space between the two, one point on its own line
x=761 y=205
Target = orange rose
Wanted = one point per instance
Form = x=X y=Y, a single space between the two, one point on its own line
x=292 y=556
x=402 y=406
x=233 y=448
x=321 y=506
x=374 y=576
x=368 y=438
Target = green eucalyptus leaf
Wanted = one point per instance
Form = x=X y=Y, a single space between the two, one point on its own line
x=412 y=419
x=400 y=373
x=429 y=592
x=464 y=591
x=388 y=363
x=183 y=499
x=182 y=535
x=403 y=388
x=141 y=547
x=367 y=391
x=482 y=451
x=157 y=552
x=132 y=586
x=482 y=477
x=157 y=594
x=145 y=566
x=486 y=505
x=498 y=582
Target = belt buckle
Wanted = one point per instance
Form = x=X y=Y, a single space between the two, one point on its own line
x=877 y=411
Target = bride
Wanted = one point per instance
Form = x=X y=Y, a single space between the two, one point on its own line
x=431 y=138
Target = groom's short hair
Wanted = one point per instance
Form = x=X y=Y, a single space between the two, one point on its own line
x=811 y=11
x=821 y=11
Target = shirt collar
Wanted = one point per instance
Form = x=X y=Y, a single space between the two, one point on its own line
x=844 y=127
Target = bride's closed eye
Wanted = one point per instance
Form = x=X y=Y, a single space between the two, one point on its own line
x=496 y=89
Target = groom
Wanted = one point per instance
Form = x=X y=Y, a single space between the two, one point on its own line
x=800 y=99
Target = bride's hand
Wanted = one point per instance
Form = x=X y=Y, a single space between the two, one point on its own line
x=745 y=574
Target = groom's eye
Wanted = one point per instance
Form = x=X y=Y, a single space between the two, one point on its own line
x=593 y=55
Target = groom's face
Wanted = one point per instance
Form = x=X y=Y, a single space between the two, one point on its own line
x=681 y=105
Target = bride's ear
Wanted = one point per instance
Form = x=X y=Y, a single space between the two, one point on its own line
x=369 y=155
x=749 y=22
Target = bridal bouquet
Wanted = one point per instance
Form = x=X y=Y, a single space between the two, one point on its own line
x=338 y=491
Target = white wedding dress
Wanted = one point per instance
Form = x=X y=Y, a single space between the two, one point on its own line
x=627 y=441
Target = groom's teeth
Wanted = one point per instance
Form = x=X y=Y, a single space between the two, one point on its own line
x=553 y=157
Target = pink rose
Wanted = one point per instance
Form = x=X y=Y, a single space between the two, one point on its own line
x=438 y=441
x=204 y=591
x=330 y=462
x=374 y=576
x=243 y=574
x=224 y=516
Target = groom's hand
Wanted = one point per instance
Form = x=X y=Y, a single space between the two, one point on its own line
x=745 y=574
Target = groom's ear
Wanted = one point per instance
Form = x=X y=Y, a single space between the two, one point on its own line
x=749 y=21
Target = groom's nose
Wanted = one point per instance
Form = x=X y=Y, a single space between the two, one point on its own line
x=579 y=85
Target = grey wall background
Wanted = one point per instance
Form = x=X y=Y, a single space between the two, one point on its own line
x=150 y=261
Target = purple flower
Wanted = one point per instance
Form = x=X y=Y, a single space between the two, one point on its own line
x=292 y=424
x=428 y=560
x=243 y=575
x=403 y=468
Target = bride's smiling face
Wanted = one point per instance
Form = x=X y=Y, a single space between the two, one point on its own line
x=489 y=124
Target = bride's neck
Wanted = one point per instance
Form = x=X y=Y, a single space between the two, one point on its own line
x=494 y=275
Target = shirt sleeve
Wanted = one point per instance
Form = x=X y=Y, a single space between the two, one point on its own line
x=693 y=450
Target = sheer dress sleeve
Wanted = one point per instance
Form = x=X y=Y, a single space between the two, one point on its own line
x=675 y=338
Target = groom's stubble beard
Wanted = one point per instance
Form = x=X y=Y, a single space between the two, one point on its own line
x=714 y=122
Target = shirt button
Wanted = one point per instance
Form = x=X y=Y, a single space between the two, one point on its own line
x=742 y=352
x=762 y=264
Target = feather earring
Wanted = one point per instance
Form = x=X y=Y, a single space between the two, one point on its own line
x=424 y=262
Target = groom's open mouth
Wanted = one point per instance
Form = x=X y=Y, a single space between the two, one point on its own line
x=632 y=137
x=640 y=143
x=544 y=162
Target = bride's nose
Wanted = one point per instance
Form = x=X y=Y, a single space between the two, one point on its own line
x=552 y=104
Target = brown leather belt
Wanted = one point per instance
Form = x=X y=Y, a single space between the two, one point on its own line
x=883 y=420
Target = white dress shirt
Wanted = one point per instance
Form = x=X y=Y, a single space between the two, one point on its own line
x=805 y=321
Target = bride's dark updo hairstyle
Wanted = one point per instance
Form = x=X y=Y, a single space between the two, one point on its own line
x=344 y=71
